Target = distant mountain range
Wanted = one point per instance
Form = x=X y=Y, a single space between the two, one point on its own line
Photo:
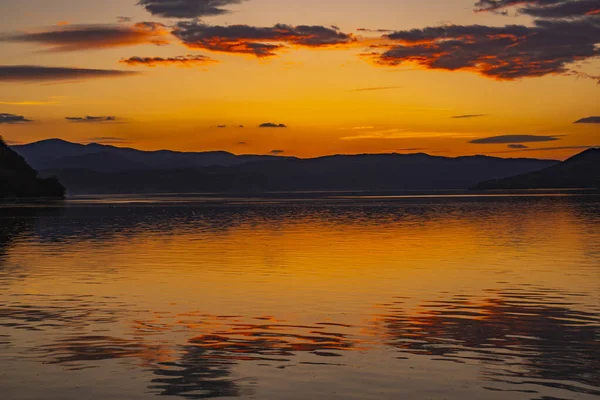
x=17 y=179
x=580 y=171
x=96 y=168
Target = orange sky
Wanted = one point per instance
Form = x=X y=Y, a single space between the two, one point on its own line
x=316 y=91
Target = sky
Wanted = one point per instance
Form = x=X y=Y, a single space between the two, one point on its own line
x=509 y=78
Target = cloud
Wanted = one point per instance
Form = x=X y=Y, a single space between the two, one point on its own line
x=371 y=89
x=277 y=152
x=13 y=119
x=242 y=143
x=124 y=20
x=542 y=8
x=588 y=120
x=187 y=8
x=180 y=61
x=257 y=41
x=557 y=38
x=272 y=125
x=362 y=128
x=413 y=149
x=221 y=126
x=548 y=149
x=510 y=139
x=90 y=119
x=27 y=103
x=394 y=133
x=468 y=116
x=108 y=140
x=517 y=146
x=374 y=30
x=35 y=73
x=87 y=37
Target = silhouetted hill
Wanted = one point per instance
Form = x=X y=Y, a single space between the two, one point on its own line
x=115 y=170
x=59 y=154
x=18 y=179
x=580 y=171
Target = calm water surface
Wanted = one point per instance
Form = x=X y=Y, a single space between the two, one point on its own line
x=341 y=297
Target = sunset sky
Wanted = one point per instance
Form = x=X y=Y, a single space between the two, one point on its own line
x=512 y=78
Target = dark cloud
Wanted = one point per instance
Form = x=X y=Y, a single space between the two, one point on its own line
x=371 y=89
x=35 y=73
x=517 y=146
x=187 y=8
x=90 y=119
x=258 y=41
x=588 y=120
x=86 y=37
x=557 y=39
x=468 y=116
x=510 y=139
x=272 y=125
x=181 y=61
x=242 y=143
x=221 y=126
x=240 y=126
x=124 y=20
x=13 y=119
x=277 y=152
x=542 y=8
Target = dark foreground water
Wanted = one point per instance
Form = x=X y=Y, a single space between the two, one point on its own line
x=340 y=297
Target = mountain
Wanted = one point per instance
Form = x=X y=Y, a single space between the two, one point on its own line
x=99 y=169
x=56 y=154
x=18 y=179
x=580 y=171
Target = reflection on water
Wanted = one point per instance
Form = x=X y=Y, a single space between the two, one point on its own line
x=524 y=336
x=437 y=297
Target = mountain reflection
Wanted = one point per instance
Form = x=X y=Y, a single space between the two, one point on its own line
x=520 y=337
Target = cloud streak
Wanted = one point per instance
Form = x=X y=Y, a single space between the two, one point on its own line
x=36 y=73
x=179 y=61
x=376 y=88
x=467 y=116
x=91 y=119
x=514 y=139
x=94 y=37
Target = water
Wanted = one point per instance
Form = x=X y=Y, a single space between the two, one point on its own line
x=336 y=297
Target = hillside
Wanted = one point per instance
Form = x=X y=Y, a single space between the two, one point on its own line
x=18 y=179
x=103 y=169
x=54 y=154
x=580 y=171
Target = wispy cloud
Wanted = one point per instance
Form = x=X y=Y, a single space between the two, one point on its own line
x=179 y=61
x=548 y=149
x=376 y=88
x=94 y=37
x=389 y=134
x=91 y=119
x=37 y=73
x=28 y=103
x=467 y=116
x=511 y=139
